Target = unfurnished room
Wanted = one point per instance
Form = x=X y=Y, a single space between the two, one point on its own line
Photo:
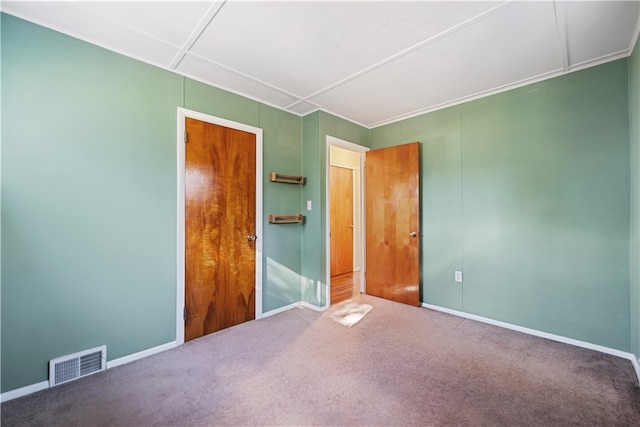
x=332 y=213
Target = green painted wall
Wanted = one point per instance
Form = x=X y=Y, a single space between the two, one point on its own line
x=528 y=192
x=634 y=110
x=217 y=102
x=88 y=199
x=282 y=242
x=311 y=238
x=317 y=126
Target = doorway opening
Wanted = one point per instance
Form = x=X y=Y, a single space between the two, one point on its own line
x=254 y=239
x=345 y=240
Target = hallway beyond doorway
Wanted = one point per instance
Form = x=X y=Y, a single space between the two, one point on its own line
x=344 y=286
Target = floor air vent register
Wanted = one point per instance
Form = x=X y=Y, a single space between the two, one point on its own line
x=77 y=365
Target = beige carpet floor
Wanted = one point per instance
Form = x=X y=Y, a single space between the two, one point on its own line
x=398 y=366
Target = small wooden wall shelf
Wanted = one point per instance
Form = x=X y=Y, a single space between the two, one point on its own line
x=287 y=179
x=286 y=219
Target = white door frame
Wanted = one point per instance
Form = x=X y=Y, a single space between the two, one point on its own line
x=183 y=113
x=336 y=142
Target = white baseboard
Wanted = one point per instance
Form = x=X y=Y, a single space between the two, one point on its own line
x=602 y=349
x=280 y=310
x=23 y=391
x=636 y=365
x=312 y=307
x=141 y=354
x=26 y=390
x=301 y=304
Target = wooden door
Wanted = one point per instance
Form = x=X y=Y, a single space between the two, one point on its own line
x=341 y=223
x=220 y=215
x=392 y=223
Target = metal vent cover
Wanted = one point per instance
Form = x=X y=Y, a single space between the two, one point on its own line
x=77 y=365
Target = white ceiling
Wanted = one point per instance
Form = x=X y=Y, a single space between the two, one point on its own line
x=372 y=62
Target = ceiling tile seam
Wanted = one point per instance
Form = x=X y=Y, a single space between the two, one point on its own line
x=246 y=76
x=478 y=95
x=445 y=33
x=117 y=23
x=202 y=25
x=300 y=101
x=561 y=33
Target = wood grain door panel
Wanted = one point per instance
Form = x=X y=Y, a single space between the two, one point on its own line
x=392 y=215
x=341 y=222
x=220 y=196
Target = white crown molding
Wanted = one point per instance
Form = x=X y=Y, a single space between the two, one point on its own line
x=159 y=65
x=233 y=91
x=634 y=38
x=115 y=22
x=245 y=76
x=560 y=27
x=600 y=60
x=504 y=88
x=81 y=37
x=340 y=116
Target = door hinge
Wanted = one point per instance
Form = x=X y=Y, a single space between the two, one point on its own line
x=186 y=139
x=184 y=313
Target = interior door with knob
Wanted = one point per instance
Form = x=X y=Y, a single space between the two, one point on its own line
x=392 y=190
x=220 y=227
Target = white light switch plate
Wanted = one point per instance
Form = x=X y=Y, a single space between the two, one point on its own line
x=308 y=205
x=457 y=276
